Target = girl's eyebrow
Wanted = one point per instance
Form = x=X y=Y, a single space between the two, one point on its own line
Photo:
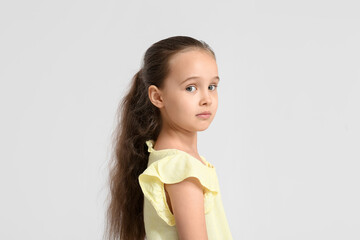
x=195 y=77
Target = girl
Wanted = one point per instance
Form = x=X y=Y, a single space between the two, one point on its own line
x=160 y=187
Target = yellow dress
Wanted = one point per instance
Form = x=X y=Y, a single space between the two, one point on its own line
x=172 y=166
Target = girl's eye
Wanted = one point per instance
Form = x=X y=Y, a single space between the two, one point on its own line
x=211 y=87
x=214 y=87
x=189 y=87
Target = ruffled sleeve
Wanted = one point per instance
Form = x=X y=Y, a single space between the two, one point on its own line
x=173 y=168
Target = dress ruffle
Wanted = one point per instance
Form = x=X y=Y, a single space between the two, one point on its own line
x=172 y=166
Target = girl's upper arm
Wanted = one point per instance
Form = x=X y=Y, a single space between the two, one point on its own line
x=187 y=202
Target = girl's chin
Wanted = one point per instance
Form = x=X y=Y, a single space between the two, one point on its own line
x=203 y=128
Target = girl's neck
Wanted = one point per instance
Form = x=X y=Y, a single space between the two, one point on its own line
x=169 y=139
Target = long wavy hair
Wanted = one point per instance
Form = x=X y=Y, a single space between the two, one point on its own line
x=138 y=120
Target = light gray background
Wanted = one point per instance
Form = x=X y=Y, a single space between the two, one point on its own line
x=285 y=140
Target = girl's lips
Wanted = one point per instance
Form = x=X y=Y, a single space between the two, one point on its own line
x=203 y=115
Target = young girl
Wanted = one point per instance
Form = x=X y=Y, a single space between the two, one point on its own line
x=161 y=188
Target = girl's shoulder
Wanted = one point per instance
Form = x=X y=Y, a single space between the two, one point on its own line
x=168 y=166
x=173 y=153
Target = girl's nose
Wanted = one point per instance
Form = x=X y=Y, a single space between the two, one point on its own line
x=205 y=98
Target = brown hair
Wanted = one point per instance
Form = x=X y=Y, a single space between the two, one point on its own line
x=138 y=120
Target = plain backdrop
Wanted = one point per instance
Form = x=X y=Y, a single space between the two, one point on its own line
x=285 y=140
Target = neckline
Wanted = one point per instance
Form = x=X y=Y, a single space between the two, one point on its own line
x=150 y=144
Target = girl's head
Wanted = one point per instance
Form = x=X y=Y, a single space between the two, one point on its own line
x=177 y=81
x=187 y=89
x=180 y=76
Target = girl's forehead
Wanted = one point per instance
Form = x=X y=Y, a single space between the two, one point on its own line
x=192 y=62
x=200 y=68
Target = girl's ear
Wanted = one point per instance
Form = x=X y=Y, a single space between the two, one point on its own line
x=155 y=96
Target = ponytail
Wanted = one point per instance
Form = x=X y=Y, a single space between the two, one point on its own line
x=138 y=121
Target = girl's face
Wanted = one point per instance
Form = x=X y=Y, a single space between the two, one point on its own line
x=189 y=90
